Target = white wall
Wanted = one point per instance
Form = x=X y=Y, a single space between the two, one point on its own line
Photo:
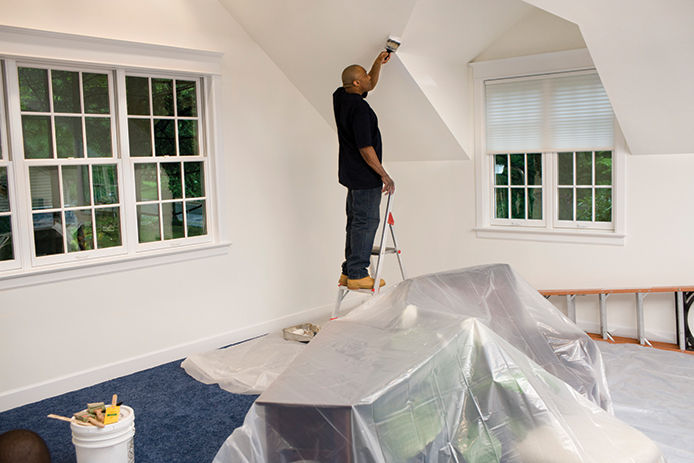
x=282 y=211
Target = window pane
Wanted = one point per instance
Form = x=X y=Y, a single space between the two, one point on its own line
x=186 y=98
x=68 y=137
x=140 y=135
x=566 y=169
x=172 y=215
x=518 y=203
x=98 y=137
x=188 y=138
x=6 y=250
x=164 y=137
x=196 y=217
x=501 y=203
x=566 y=204
x=48 y=233
x=146 y=187
x=584 y=204
x=66 y=92
x=534 y=169
x=584 y=168
x=170 y=174
x=501 y=169
x=79 y=230
x=517 y=169
x=137 y=91
x=33 y=89
x=195 y=179
x=4 y=191
x=148 y=223
x=105 y=178
x=603 y=168
x=76 y=186
x=45 y=189
x=162 y=97
x=535 y=203
x=107 y=227
x=96 y=98
x=38 y=142
x=603 y=204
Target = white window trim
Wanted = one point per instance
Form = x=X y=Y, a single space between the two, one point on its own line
x=60 y=49
x=486 y=226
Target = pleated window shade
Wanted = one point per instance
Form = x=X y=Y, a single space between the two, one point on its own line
x=567 y=112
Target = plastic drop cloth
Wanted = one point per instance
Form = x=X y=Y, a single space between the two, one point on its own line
x=245 y=368
x=653 y=391
x=465 y=366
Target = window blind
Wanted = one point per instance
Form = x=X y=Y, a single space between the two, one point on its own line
x=549 y=113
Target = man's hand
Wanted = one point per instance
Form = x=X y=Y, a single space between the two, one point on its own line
x=388 y=184
x=383 y=57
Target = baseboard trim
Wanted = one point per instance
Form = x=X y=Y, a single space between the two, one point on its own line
x=67 y=383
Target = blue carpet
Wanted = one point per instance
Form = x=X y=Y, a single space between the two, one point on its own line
x=177 y=419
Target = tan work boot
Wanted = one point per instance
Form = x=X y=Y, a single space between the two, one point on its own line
x=343 y=280
x=363 y=283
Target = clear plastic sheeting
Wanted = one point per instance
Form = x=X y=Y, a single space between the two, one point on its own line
x=653 y=391
x=465 y=366
x=245 y=368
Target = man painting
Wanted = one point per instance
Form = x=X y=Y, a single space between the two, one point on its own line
x=360 y=169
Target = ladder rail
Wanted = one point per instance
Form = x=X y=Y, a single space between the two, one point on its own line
x=381 y=252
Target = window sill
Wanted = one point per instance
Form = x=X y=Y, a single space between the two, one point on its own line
x=583 y=236
x=19 y=278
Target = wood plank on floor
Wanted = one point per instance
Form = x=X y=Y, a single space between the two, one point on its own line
x=656 y=344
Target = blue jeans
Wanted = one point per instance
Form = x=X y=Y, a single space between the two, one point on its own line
x=363 y=214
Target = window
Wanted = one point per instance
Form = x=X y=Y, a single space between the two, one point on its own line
x=97 y=172
x=67 y=135
x=163 y=126
x=549 y=166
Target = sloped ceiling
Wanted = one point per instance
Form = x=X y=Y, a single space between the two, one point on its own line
x=644 y=53
x=643 y=50
x=421 y=100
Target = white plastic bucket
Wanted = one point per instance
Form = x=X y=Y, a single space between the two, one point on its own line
x=114 y=443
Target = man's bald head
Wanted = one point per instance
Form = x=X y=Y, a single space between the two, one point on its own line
x=352 y=73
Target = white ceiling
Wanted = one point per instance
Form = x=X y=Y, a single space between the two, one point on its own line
x=644 y=53
x=643 y=50
x=423 y=108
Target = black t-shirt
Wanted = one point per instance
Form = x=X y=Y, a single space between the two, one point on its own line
x=357 y=127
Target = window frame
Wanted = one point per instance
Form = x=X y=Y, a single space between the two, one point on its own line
x=116 y=59
x=487 y=226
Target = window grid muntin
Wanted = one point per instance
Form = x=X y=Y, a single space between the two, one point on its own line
x=510 y=186
x=85 y=160
x=593 y=223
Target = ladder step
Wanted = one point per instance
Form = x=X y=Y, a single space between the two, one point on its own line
x=377 y=250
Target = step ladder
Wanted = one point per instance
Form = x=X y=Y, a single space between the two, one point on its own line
x=380 y=251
